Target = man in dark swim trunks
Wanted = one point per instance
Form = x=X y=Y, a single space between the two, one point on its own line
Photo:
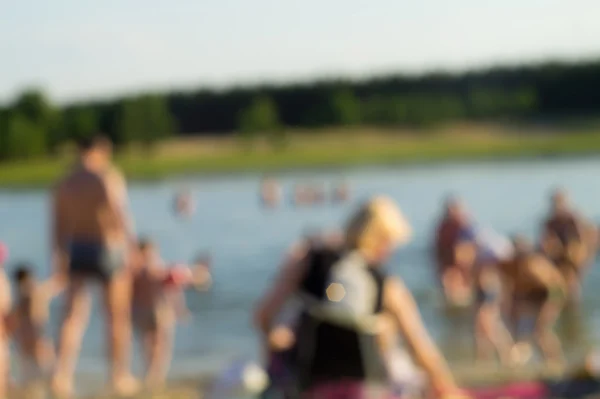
x=91 y=241
x=565 y=240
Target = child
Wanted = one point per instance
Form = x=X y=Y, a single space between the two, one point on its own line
x=27 y=321
x=156 y=306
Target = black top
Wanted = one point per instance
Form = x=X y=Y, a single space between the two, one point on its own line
x=328 y=351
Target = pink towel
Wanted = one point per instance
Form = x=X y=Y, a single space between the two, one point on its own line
x=521 y=390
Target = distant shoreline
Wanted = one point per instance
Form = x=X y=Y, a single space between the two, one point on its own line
x=326 y=150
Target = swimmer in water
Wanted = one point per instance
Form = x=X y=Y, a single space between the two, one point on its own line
x=270 y=193
x=155 y=310
x=565 y=240
x=27 y=324
x=184 y=203
x=318 y=194
x=486 y=253
x=341 y=193
x=538 y=292
x=307 y=194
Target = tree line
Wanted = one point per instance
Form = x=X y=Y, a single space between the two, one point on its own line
x=31 y=126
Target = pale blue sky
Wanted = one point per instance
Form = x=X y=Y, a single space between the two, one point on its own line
x=83 y=48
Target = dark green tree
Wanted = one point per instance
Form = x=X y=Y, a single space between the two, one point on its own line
x=22 y=139
x=346 y=108
x=80 y=123
x=145 y=120
x=261 y=118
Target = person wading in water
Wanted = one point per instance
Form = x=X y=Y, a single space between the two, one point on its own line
x=346 y=298
x=91 y=241
x=455 y=277
x=538 y=292
x=565 y=240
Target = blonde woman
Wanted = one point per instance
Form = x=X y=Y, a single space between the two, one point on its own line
x=345 y=293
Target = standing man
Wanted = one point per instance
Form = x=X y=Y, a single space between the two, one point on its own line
x=91 y=241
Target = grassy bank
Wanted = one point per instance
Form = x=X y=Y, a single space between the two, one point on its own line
x=325 y=149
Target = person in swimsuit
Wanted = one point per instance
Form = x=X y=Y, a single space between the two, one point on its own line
x=92 y=241
x=183 y=205
x=455 y=277
x=490 y=332
x=483 y=251
x=344 y=293
x=565 y=240
x=27 y=323
x=538 y=292
x=155 y=309
x=5 y=307
x=270 y=193
x=341 y=193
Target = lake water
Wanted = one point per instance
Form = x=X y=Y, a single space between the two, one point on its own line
x=247 y=243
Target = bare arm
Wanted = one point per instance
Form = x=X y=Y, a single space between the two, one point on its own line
x=122 y=199
x=400 y=302
x=549 y=241
x=283 y=287
x=58 y=232
x=546 y=274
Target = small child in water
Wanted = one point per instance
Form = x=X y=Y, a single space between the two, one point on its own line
x=158 y=302
x=27 y=322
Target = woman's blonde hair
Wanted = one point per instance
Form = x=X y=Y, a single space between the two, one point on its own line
x=377 y=219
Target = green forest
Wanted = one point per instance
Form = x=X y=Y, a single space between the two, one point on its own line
x=31 y=126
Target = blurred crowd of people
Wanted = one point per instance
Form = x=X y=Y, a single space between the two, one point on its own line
x=271 y=194
x=333 y=323
x=517 y=286
x=332 y=320
x=93 y=243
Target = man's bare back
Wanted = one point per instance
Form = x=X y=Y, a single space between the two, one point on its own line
x=89 y=222
x=92 y=240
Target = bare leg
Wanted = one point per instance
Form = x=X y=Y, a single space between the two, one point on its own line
x=501 y=338
x=117 y=300
x=546 y=338
x=77 y=312
x=483 y=341
x=4 y=368
x=160 y=357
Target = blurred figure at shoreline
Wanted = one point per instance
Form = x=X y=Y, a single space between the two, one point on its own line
x=455 y=277
x=155 y=309
x=566 y=241
x=538 y=292
x=483 y=251
x=270 y=193
x=337 y=338
x=27 y=324
x=184 y=203
x=92 y=240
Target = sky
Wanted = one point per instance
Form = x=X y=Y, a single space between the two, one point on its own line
x=85 y=49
